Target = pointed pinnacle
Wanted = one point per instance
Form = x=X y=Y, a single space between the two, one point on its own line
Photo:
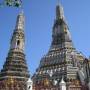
x=58 y=2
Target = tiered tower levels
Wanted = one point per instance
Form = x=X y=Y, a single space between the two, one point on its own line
x=62 y=59
x=15 y=66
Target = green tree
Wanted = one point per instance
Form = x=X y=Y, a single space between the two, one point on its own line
x=13 y=3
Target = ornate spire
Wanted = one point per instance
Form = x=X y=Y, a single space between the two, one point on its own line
x=59 y=11
x=20 y=21
x=15 y=65
x=17 y=41
x=61 y=32
x=58 y=1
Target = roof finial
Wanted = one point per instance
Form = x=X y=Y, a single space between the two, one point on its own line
x=21 y=12
x=58 y=1
x=59 y=11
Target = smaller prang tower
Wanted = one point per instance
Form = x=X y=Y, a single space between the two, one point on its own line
x=15 y=69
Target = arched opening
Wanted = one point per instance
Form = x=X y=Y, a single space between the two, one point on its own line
x=18 y=42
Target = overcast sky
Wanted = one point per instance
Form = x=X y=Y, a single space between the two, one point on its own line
x=40 y=15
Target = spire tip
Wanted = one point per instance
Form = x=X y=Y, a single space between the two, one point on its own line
x=21 y=12
x=58 y=2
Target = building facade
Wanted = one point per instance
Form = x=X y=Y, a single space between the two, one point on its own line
x=61 y=61
x=15 y=74
x=62 y=68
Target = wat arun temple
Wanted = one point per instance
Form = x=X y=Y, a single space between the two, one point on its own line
x=62 y=68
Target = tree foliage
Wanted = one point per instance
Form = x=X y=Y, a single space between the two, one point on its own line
x=13 y=3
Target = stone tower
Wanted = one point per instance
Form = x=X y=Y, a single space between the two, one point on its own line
x=62 y=59
x=15 y=69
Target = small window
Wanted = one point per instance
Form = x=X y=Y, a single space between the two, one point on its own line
x=18 y=42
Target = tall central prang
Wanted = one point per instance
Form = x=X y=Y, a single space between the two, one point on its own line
x=15 y=74
x=63 y=64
